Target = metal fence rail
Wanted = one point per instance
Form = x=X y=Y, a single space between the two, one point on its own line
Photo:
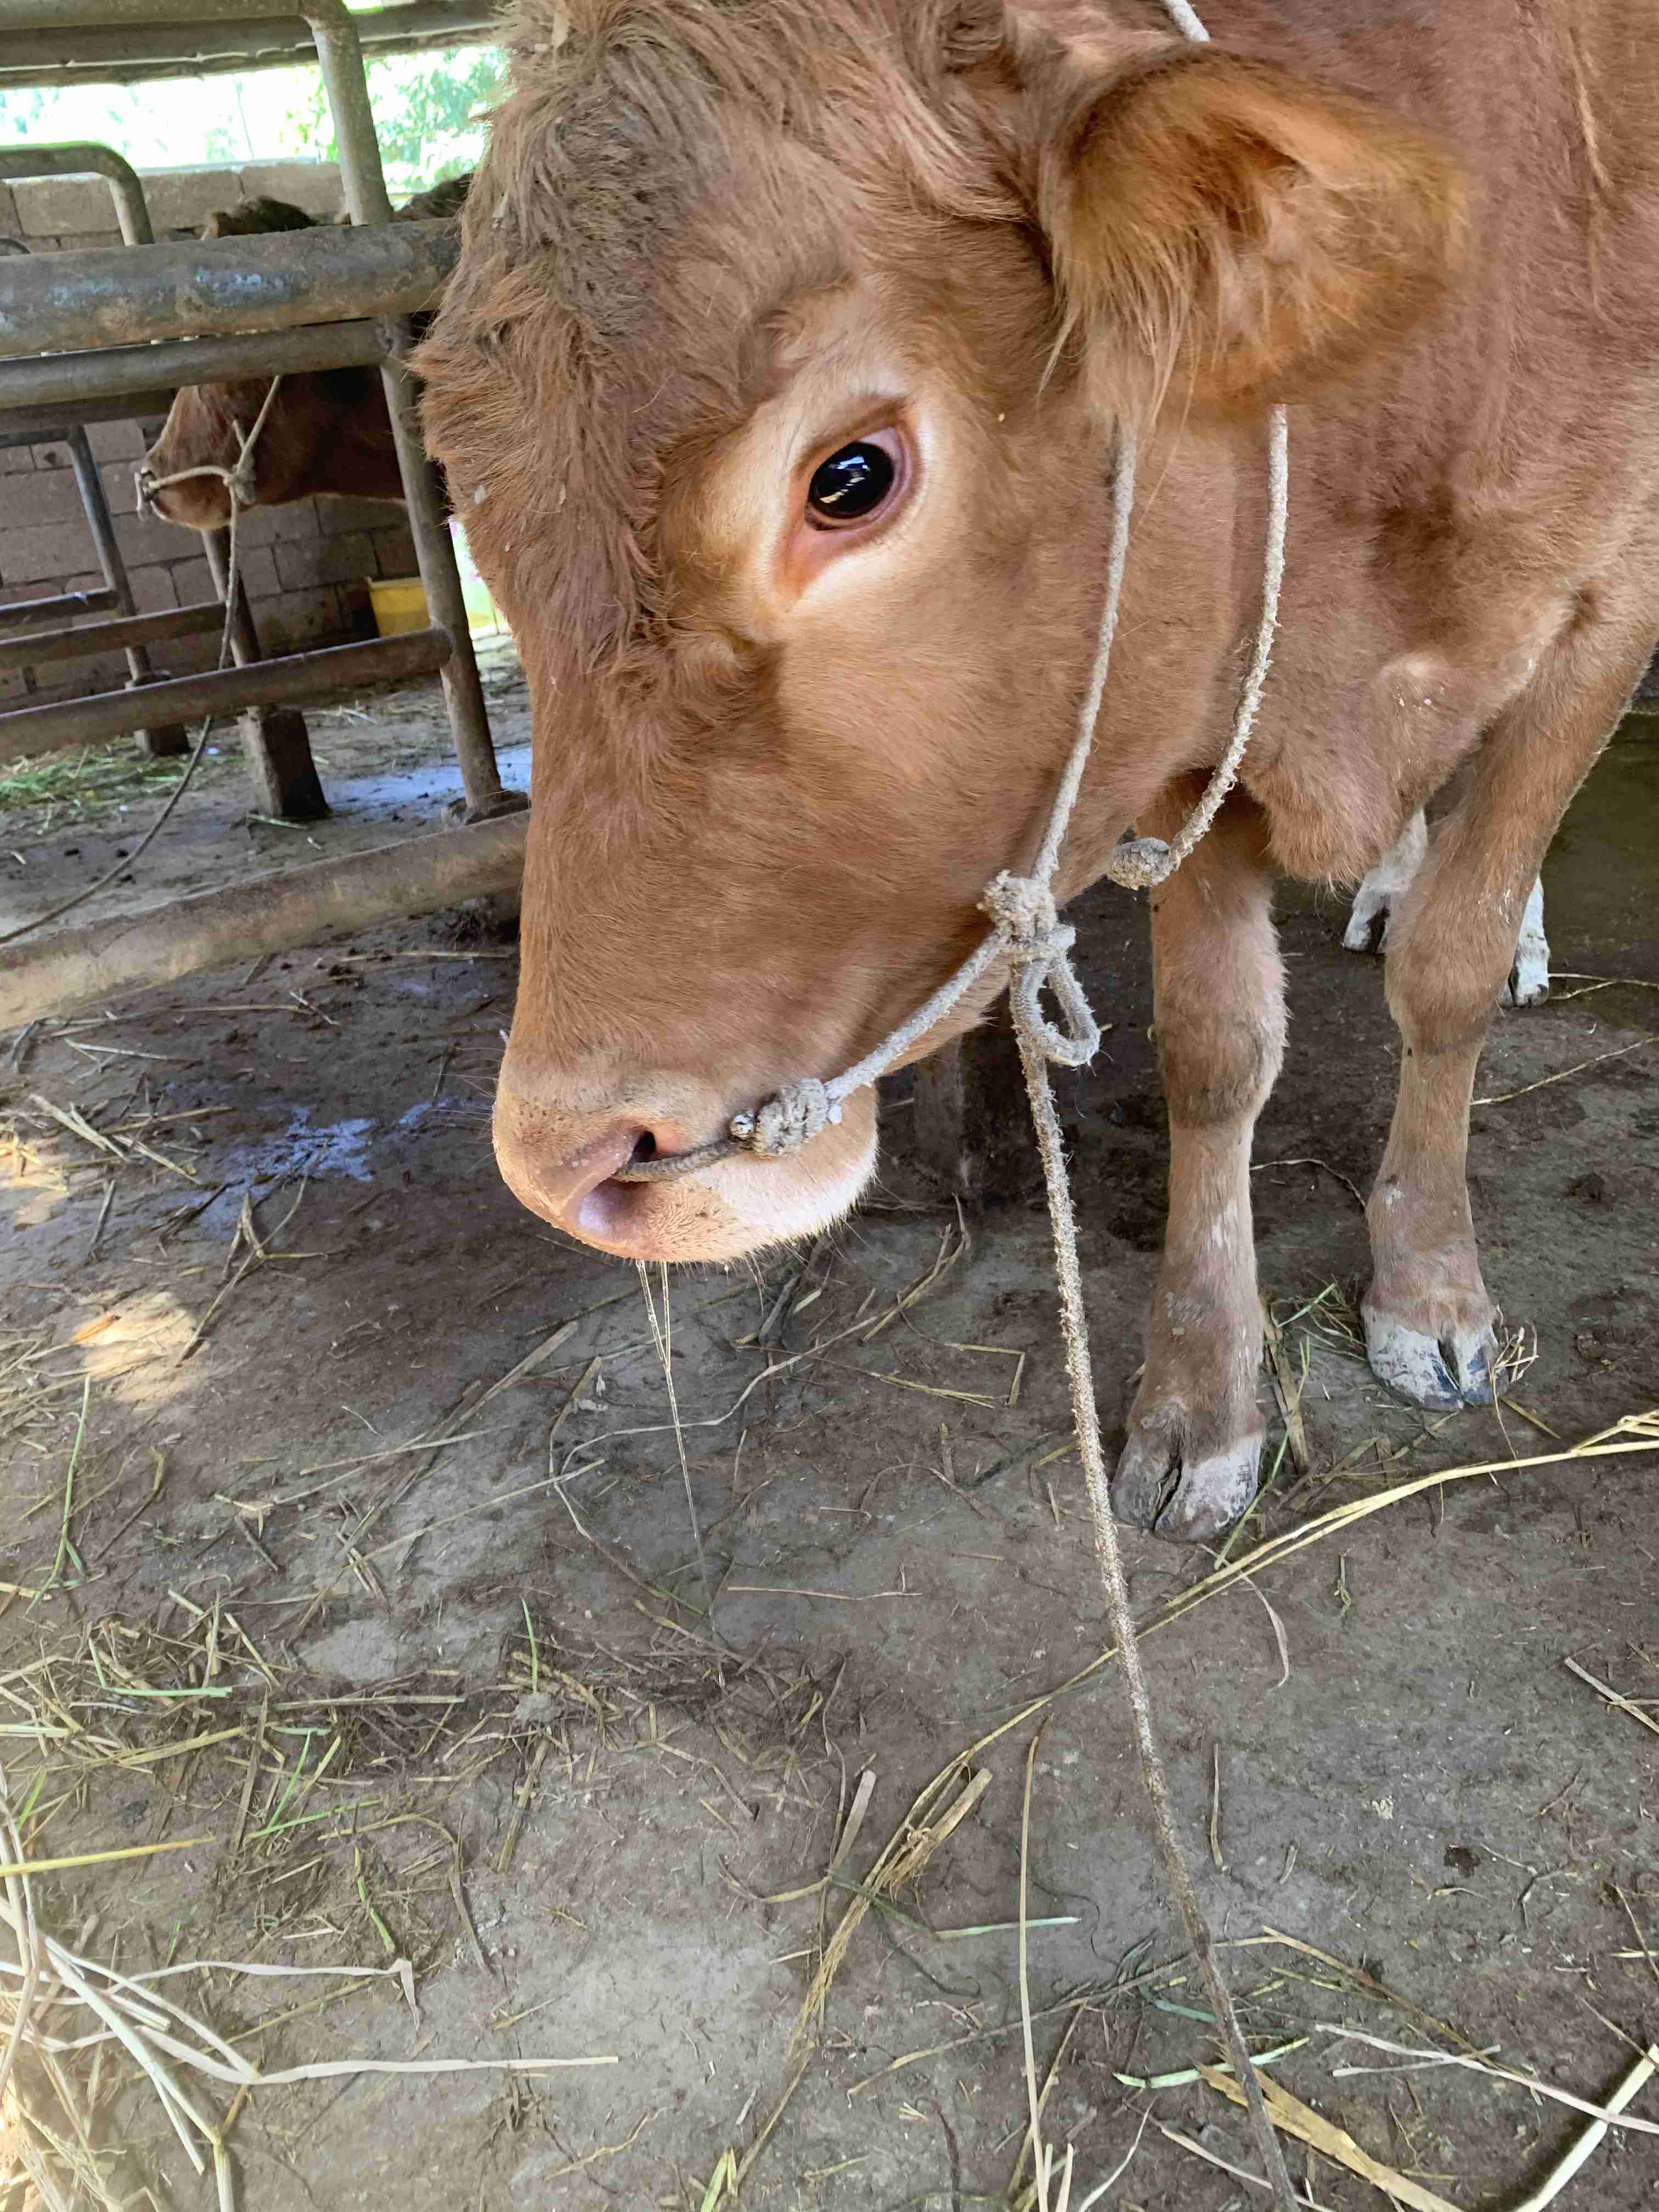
x=79 y=55
x=109 y=960
x=57 y=608
x=81 y=157
x=288 y=680
x=186 y=313
x=156 y=629
x=206 y=288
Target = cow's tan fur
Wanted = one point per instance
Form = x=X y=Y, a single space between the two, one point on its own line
x=709 y=244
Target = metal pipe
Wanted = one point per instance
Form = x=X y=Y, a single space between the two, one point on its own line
x=293 y=679
x=339 y=52
x=244 y=638
x=106 y=636
x=111 y=960
x=37 y=426
x=209 y=287
x=156 y=736
x=70 y=381
x=99 y=521
x=434 y=556
x=209 y=48
x=26 y=613
x=364 y=178
x=81 y=157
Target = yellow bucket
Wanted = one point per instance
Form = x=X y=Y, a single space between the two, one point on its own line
x=399 y=604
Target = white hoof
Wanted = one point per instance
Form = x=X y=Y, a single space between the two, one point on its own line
x=1529 y=978
x=1378 y=897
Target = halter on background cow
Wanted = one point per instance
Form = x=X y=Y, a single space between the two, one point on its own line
x=778 y=383
x=328 y=431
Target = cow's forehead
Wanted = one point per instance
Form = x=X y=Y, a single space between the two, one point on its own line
x=661 y=183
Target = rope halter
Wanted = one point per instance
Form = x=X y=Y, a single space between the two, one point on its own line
x=237 y=480
x=1026 y=930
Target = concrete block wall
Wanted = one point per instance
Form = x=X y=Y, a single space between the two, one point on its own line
x=306 y=567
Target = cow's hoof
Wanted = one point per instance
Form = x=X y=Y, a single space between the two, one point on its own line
x=1437 y=1373
x=1186 y=1501
x=1368 y=921
x=1529 y=978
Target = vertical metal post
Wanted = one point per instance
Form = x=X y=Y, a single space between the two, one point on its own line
x=170 y=738
x=340 y=53
x=276 y=743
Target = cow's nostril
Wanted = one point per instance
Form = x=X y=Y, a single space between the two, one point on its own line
x=645 y=1148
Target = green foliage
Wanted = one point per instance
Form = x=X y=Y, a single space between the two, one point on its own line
x=425 y=107
x=20 y=111
x=428 y=111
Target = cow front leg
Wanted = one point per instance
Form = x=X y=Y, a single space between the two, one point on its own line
x=1191 y=1460
x=1430 y=1322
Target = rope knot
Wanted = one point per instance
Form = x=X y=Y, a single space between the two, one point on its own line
x=1022 y=909
x=792 y=1117
x=1140 y=863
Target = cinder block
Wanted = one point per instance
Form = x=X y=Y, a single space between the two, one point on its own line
x=313 y=186
x=119 y=487
x=14 y=460
x=293 y=620
x=55 y=455
x=257 y=564
x=78 y=679
x=49 y=207
x=266 y=525
x=338 y=516
x=152 y=589
x=13 y=691
x=9 y=225
x=394 y=550
x=146 y=538
x=117 y=441
x=183 y=200
x=191 y=581
x=105 y=239
x=54 y=549
x=324 y=560
x=188 y=656
x=43 y=495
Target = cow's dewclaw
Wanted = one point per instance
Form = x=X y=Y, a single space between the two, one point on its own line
x=1439 y=1373
x=1186 y=1502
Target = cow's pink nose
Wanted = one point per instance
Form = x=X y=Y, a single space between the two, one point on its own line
x=563 y=1185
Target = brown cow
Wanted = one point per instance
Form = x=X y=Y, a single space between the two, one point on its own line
x=328 y=431
x=780 y=382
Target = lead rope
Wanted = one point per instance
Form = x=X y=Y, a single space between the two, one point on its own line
x=1027 y=931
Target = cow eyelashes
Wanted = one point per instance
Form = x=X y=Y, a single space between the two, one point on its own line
x=855 y=483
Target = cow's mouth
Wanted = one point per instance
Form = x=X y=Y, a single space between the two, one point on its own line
x=732 y=1207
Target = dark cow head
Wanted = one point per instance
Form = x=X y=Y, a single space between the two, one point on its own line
x=328 y=431
x=778 y=385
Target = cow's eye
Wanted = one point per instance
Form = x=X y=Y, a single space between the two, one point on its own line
x=851 y=485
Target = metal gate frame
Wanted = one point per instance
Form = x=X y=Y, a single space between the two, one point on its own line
x=169 y=295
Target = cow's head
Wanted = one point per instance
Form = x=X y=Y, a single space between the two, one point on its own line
x=778 y=385
x=328 y=431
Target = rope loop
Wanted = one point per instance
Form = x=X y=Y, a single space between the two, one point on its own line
x=1040 y=945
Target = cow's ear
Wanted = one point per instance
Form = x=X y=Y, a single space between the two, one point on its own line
x=1233 y=235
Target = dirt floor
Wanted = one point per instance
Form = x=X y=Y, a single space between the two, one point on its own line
x=350 y=1583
